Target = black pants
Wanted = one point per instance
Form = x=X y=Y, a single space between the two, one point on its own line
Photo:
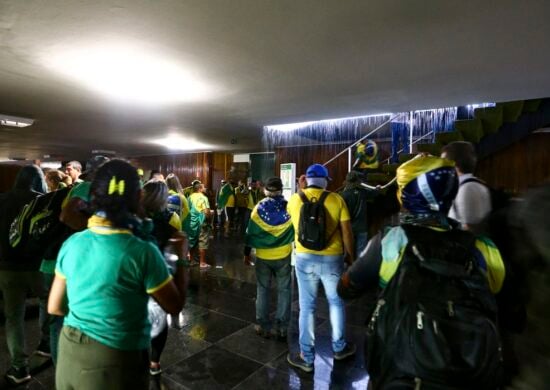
x=157 y=345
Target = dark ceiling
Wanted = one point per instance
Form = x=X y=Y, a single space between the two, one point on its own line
x=262 y=62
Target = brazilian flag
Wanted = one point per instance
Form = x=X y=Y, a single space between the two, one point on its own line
x=269 y=225
x=180 y=205
x=196 y=220
x=225 y=192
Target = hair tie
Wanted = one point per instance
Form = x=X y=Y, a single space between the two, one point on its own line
x=115 y=186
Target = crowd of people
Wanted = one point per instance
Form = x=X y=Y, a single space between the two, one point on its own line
x=108 y=255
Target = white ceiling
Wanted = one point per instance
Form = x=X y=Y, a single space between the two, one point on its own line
x=269 y=62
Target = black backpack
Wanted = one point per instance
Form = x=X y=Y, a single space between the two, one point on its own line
x=37 y=231
x=312 y=227
x=434 y=326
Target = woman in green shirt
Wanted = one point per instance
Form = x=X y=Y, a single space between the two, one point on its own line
x=104 y=277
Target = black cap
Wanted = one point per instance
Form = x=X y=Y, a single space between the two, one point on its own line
x=274 y=184
x=93 y=164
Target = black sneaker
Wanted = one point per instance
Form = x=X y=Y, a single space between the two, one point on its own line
x=281 y=335
x=43 y=349
x=17 y=376
x=297 y=361
x=349 y=350
x=261 y=332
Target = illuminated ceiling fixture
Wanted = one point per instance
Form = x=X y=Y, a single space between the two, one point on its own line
x=300 y=125
x=129 y=74
x=177 y=142
x=15 y=121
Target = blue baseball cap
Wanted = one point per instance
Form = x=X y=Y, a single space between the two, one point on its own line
x=317 y=170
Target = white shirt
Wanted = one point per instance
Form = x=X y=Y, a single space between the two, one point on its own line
x=472 y=203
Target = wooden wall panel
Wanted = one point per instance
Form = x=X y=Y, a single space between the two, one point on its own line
x=187 y=167
x=304 y=156
x=221 y=166
x=519 y=167
x=7 y=176
x=208 y=167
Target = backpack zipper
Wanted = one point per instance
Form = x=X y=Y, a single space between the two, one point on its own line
x=450 y=308
x=375 y=314
x=419 y=322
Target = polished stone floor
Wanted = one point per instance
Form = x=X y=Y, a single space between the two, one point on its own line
x=212 y=343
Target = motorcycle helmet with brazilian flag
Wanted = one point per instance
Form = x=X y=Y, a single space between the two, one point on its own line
x=427 y=185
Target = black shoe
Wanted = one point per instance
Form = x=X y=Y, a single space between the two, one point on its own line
x=281 y=335
x=43 y=349
x=17 y=376
x=298 y=362
x=261 y=332
x=349 y=350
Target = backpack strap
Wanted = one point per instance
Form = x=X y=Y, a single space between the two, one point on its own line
x=303 y=196
x=473 y=180
x=323 y=197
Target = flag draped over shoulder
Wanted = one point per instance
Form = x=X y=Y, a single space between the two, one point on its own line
x=196 y=220
x=180 y=205
x=225 y=192
x=269 y=225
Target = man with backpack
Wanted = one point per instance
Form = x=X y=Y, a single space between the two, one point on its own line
x=323 y=237
x=473 y=200
x=438 y=284
x=19 y=272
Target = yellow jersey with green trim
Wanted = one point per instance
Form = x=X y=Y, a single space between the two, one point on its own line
x=109 y=275
x=199 y=201
x=336 y=212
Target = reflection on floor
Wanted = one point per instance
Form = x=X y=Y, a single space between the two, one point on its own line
x=212 y=343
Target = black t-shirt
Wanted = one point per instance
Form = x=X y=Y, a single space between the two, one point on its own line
x=356 y=199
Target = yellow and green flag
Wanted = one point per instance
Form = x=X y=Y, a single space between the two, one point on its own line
x=269 y=225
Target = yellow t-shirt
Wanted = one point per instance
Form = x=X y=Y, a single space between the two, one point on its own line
x=274 y=253
x=199 y=201
x=230 y=201
x=337 y=212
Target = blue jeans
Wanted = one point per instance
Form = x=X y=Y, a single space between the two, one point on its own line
x=310 y=269
x=280 y=270
x=55 y=323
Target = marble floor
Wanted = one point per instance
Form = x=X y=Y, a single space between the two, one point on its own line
x=212 y=343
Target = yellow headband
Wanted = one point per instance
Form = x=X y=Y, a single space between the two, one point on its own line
x=115 y=186
x=411 y=169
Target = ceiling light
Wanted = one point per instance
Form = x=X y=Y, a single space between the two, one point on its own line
x=129 y=74
x=300 y=125
x=177 y=142
x=14 y=121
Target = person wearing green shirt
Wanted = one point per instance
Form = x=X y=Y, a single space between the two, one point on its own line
x=104 y=277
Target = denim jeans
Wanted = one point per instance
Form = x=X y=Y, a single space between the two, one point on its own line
x=15 y=285
x=55 y=323
x=310 y=269
x=265 y=270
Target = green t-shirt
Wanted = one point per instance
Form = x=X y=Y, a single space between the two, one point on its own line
x=81 y=190
x=109 y=274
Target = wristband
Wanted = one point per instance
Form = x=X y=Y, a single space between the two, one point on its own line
x=183 y=263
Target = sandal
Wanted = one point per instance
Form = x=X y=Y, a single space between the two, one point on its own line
x=205 y=265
